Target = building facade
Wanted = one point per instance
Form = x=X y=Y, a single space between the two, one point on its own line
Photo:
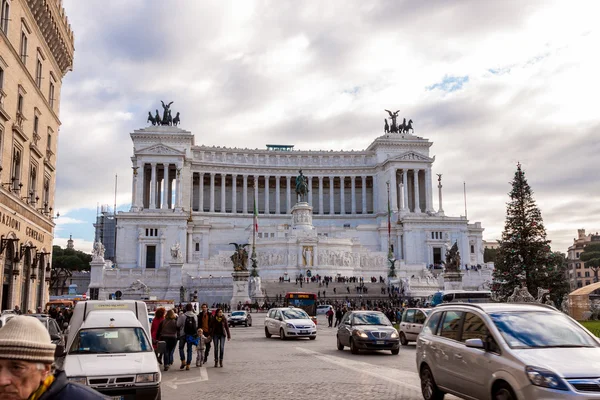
x=200 y=199
x=36 y=51
x=579 y=274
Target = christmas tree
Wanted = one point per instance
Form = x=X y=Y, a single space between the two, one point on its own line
x=524 y=254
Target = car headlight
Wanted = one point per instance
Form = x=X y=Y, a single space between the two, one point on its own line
x=78 y=379
x=146 y=378
x=544 y=378
x=290 y=326
x=394 y=335
x=360 y=334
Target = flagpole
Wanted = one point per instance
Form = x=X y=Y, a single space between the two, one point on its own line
x=254 y=223
x=389 y=222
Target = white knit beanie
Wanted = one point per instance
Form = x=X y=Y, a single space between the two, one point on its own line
x=26 y=338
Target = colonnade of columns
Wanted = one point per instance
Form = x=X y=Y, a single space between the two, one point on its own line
x=161 y=186
x=275 y=194
x=410 y=190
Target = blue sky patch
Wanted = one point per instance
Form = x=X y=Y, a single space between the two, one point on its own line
x=450 y=83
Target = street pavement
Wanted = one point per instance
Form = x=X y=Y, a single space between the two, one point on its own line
x=259 y=368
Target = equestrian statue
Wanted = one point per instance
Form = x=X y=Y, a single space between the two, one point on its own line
x=301 y=187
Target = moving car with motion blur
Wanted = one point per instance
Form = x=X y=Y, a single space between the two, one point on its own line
x=506 y=351
x=239 y=318
x=367 y=330
x=289 y=322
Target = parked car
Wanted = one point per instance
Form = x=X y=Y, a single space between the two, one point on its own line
x=412 y=324
x=367 y=330
x=323 y=308
x=56 y=336
x=5 y=317
x=506 y=351
x=289 y=322
x=239 y=318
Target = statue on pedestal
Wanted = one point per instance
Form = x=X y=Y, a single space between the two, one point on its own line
x=301 y=186
x=98 y=251
x=176 y=252
x=240 y=257
x=452 y=263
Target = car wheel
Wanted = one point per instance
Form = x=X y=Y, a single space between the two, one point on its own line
x=395 y=351
x=353 y=348
x=340 y=346
x=503 y=391
x=282 y=334
x=267 y=333
x=403 y=340
x=429 y=389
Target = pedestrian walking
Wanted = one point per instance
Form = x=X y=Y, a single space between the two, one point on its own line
x=159 y=316
x=187 y=323
x=330 y=317
x=200 y=347
x=168 y=332
x=338 y=316
x=205 y=321
x=218 y=331
x=26 y=363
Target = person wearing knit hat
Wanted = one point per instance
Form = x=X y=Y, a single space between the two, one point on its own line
x=26 y=358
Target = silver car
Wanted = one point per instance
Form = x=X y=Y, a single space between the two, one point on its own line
x=412 y=324
x=506 y=351
x=289 y=322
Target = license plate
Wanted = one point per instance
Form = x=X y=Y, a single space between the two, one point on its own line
x=303 y=332
x=380 y=342
x=117 y=397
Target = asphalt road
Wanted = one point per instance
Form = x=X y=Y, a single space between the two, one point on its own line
x=259 y=368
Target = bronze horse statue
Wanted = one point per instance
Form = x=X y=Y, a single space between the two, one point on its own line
x=151 y=119
x=408 y=127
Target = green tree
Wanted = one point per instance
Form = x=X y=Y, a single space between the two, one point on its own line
x=64 y=262
x=591 y=257
x=524 y=253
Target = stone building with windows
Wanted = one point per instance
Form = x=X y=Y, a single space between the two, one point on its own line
x=579 y=274
x=36 y=51
x=200 y=199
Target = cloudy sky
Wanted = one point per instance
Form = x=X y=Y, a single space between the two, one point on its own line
x=490 y=83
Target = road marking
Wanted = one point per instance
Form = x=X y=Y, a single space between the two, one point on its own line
x=175 y=382
x=392 y=375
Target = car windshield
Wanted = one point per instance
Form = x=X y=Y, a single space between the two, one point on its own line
x=110 y=340
x=370 y=319
x=242 y=313
x=534 y=329
x=294 y=314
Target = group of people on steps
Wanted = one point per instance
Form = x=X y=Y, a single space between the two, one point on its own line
x=189 y=330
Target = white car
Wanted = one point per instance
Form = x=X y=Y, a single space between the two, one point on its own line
x=289 y=322
x=322 y=309
x=412 y=324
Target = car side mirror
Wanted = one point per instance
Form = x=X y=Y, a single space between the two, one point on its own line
x=475 y=344
x=280 y=318
x=55 y=337
x=59 y=351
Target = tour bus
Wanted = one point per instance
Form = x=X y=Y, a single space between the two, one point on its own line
x=304 y=300
x=461 y=296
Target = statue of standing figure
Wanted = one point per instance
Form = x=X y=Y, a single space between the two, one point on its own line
x=452 y=263
x=166 y=111
x=393 y=116
x=301 y=186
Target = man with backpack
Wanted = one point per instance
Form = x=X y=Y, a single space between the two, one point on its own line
x=187 y=323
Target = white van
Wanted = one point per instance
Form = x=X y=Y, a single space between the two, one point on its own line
x=109 y=348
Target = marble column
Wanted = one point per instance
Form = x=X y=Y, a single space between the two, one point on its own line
x=267 y=205
x=165 y=187
x=331 y=191
x=288 y=194
x=177 y=202
x=152 y=190
x=134 y=200
x=321 y=195
x=428 y=196
x=353 y=194
x=405 y=188
x=201 y=194
x=393 y=194
x=277 y=195
x=212 y=193
x=141 y=179
x=189 y=251
x=245 y=194
x=364 y=194
x=234 y=194
x=223 y=193
x=416 y=178
x=255 y=192
x=310 y=191
x=342 y=195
